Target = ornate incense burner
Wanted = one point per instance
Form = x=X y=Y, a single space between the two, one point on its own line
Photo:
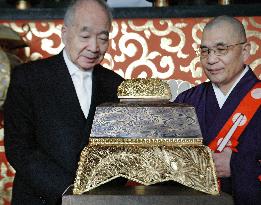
x=147 y=139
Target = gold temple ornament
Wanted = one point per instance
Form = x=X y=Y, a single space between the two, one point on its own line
x=141 y=88
x=23 y=4
x=225 y=2
x=146 y=141
x=161 y=3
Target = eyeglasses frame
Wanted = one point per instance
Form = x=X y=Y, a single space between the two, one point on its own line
x=213 y=49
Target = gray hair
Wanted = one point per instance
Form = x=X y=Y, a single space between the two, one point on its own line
x=70 y=12
x=233 y=22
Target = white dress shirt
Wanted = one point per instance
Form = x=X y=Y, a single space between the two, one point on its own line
x=221 y=98
x=82 y=86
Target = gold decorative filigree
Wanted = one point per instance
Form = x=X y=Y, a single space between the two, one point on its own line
x=144 y=88
x=169 y=28
x=195 y=71
x=191 y=166
x=44 y=35
x=142 y=48
x=145 y=142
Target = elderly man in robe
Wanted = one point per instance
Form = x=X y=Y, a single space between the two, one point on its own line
x=219 y=106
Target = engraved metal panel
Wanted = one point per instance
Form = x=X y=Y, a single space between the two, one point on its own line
x=145 y=120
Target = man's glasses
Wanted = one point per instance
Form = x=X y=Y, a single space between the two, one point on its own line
x=219 y=50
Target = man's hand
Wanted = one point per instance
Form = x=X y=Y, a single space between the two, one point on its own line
x=222 y=162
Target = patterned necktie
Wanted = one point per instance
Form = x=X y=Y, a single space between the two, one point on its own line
x=83 y=89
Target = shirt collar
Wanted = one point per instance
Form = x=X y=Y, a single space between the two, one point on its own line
x=72 y=68
x=221 y=98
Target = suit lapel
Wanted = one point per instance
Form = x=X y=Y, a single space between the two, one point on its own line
x=64 y=91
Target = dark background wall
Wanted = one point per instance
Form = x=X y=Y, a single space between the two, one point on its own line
x=63 y=3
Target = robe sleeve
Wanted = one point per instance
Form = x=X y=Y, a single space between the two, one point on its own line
x=245 y=165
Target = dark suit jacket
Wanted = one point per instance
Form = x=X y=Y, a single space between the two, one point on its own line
x=45 y=129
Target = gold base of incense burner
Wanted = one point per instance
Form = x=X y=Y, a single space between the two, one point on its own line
x=146 y=161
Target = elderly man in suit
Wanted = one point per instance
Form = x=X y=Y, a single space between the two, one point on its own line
x=51 y=103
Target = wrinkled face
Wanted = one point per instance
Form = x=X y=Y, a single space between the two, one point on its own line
x=223 y=70
x=86 y=39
